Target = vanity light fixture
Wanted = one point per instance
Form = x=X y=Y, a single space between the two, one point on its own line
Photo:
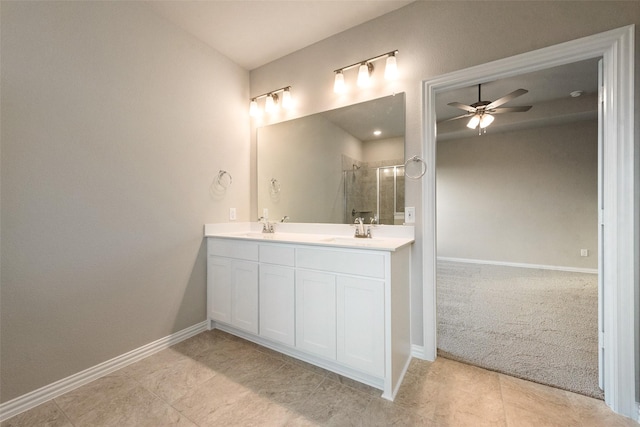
x=338 y=84
x=271 y=101
x=365 y=69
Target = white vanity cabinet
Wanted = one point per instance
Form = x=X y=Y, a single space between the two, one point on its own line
x=345 y=309
x=316 y=313
x=232 y=284
x=277 y=303
x=360 y=323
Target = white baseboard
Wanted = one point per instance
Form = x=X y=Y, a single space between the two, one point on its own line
x=58 y=388
x=522 y=265
x=417 y=351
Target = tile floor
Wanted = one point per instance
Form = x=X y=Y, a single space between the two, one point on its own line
x=215 y=379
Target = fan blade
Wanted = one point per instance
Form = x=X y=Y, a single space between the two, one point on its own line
x=456 y=118
x=464 y=107
x=506 y=98
x=510 y=110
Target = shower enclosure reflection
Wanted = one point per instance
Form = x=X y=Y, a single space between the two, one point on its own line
x=374 y=193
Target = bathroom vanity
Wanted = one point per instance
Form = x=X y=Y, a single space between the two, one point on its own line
x=316 y=293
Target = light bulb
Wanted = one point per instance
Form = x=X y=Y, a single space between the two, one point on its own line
x=270 y=103
x=338 y=84
x=253 y=108
x=363 y=74
x=486 y=120
x=286 y=99
x=473 y=123
x=391 y=69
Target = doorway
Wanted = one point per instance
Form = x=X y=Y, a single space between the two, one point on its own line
x=619 y=201
x=516 y=206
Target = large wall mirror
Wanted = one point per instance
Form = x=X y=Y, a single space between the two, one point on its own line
x=335 y=166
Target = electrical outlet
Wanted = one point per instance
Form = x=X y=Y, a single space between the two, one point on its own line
x=409 y=215
x=584 y=252
x=265 y=213
x=232 y=214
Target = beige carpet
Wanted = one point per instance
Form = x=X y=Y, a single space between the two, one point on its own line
x=539 y=325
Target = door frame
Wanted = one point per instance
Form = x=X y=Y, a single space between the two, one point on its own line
x=620 y=257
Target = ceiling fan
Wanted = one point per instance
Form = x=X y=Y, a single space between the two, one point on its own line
x=481 y=112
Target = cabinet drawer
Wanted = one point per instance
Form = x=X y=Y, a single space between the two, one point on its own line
x=349 y=262
x=277 y=254
x=232 y=249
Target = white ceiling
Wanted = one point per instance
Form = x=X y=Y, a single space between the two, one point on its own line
x=255 y=32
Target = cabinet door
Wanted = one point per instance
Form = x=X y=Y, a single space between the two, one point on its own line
x=316 y=313
x=219 y=289
x=360 y=324
x=277 y=303
x=244 y=295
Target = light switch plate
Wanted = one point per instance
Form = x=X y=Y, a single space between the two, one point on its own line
x=409 y=215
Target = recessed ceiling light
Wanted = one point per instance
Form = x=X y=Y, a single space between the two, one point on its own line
x=377 y=132
x=576 y=93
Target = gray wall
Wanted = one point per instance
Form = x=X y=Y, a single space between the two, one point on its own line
x=114 y=124
x=433 y=38
x=528 y=196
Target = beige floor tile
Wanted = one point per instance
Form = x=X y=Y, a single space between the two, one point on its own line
x=332 y=404
x=250 y=368
x=201 y=343
x=82 y=400
x=381 y=412
x=594 y=413
x=530 y=404
x=291 y=385
x=459 y=408
x=212 y=400
x=162 y=360
x=371 y=391
x=47 y=414
x=256 y=410
x=215 y=379
x=419 y=395
x=467 y=378
x=172 y=382
x=118 y=401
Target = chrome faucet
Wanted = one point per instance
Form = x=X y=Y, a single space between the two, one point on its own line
x=267 y=227
x=360 y=232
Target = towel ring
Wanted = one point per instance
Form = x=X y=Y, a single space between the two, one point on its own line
x=223 y=182
x=423 y=167
x=274 y=186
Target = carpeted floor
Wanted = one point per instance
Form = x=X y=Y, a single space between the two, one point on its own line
x=539 y=325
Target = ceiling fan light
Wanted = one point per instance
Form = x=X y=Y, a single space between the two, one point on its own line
x=486 y=120
x=473 y=123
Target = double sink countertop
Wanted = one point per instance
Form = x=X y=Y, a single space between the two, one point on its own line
x=385 y=237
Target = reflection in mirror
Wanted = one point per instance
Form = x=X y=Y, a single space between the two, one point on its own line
x=330 y=167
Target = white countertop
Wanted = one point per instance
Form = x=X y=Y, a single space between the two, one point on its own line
x=385 y=237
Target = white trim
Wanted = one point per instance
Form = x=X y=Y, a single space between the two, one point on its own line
x=32 y=399
x=616 y=47
x=417 y=351
x=521 y=265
